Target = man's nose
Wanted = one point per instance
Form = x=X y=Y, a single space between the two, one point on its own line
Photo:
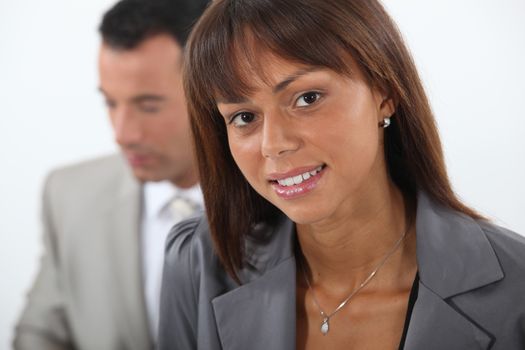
x=127 y=126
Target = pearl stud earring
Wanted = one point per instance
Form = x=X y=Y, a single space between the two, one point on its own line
x=385 y=123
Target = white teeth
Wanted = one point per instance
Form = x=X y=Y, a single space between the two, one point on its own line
x=296 y=180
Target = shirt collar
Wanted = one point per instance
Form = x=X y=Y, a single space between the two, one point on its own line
x=157 y=196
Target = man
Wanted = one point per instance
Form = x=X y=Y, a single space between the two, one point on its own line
x=106 y=220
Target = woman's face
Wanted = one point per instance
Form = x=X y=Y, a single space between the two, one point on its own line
x=307 y=139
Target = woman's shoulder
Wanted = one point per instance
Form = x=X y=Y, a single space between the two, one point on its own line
x=508 y=245
x=182 y=233
x=187 y=240
x=190 y=260
x=186 y=284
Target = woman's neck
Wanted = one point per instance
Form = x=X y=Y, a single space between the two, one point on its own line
x=342 y=252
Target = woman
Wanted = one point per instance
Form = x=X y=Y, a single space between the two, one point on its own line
x=331 y=223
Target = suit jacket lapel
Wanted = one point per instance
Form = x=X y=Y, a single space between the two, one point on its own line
x=435 y=325
x=124 y=239
x=454 y=257
x=260 y=314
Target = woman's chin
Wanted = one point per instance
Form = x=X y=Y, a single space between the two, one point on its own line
x=305 y=216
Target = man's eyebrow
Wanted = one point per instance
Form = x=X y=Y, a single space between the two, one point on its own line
x=148 y=98
x=292 y=77
x=138 y=98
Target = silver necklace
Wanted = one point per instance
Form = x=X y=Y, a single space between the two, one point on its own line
x=325 y=324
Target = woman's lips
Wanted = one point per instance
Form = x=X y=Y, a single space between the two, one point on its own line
x=299 y=184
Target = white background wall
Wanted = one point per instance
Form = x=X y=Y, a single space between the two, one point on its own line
x=471 y=56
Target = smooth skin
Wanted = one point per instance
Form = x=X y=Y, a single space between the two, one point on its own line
x=143 y=91
x=300 y=117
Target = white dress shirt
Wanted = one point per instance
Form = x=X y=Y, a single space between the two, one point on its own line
x=158 y=216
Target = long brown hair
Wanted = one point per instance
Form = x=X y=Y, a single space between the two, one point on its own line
x=313 y=32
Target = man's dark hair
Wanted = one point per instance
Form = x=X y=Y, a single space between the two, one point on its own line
x=129 y=22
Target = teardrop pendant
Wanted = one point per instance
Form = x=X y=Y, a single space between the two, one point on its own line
x=324 y=326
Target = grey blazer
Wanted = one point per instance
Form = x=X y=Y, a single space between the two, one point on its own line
x=471 y=288
x=88 y=293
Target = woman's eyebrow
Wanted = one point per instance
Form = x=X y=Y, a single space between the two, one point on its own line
x=277 y=88
x=231 y=100
x=292 y=77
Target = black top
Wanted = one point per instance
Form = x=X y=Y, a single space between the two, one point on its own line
x=411 y=301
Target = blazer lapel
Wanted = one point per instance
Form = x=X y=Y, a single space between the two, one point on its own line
x=124 y=239
x=454 y=257
x=435 y=325
x=260 y=314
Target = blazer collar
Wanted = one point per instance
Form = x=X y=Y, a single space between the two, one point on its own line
x=453 y=253
x=268 y=245
x=454 y=257
x=437 y=325
x=260 y=314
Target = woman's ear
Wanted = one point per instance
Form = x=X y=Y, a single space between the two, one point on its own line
x=387 y=107
x=386 y=104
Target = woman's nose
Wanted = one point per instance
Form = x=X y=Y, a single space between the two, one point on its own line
x=279 y=137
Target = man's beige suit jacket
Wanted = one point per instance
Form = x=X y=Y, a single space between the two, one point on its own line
x=88 y=293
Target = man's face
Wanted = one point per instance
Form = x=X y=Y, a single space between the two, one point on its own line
x=143 y=92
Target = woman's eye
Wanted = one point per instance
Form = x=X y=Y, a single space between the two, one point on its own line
x=242 y=119
x=307 y=99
